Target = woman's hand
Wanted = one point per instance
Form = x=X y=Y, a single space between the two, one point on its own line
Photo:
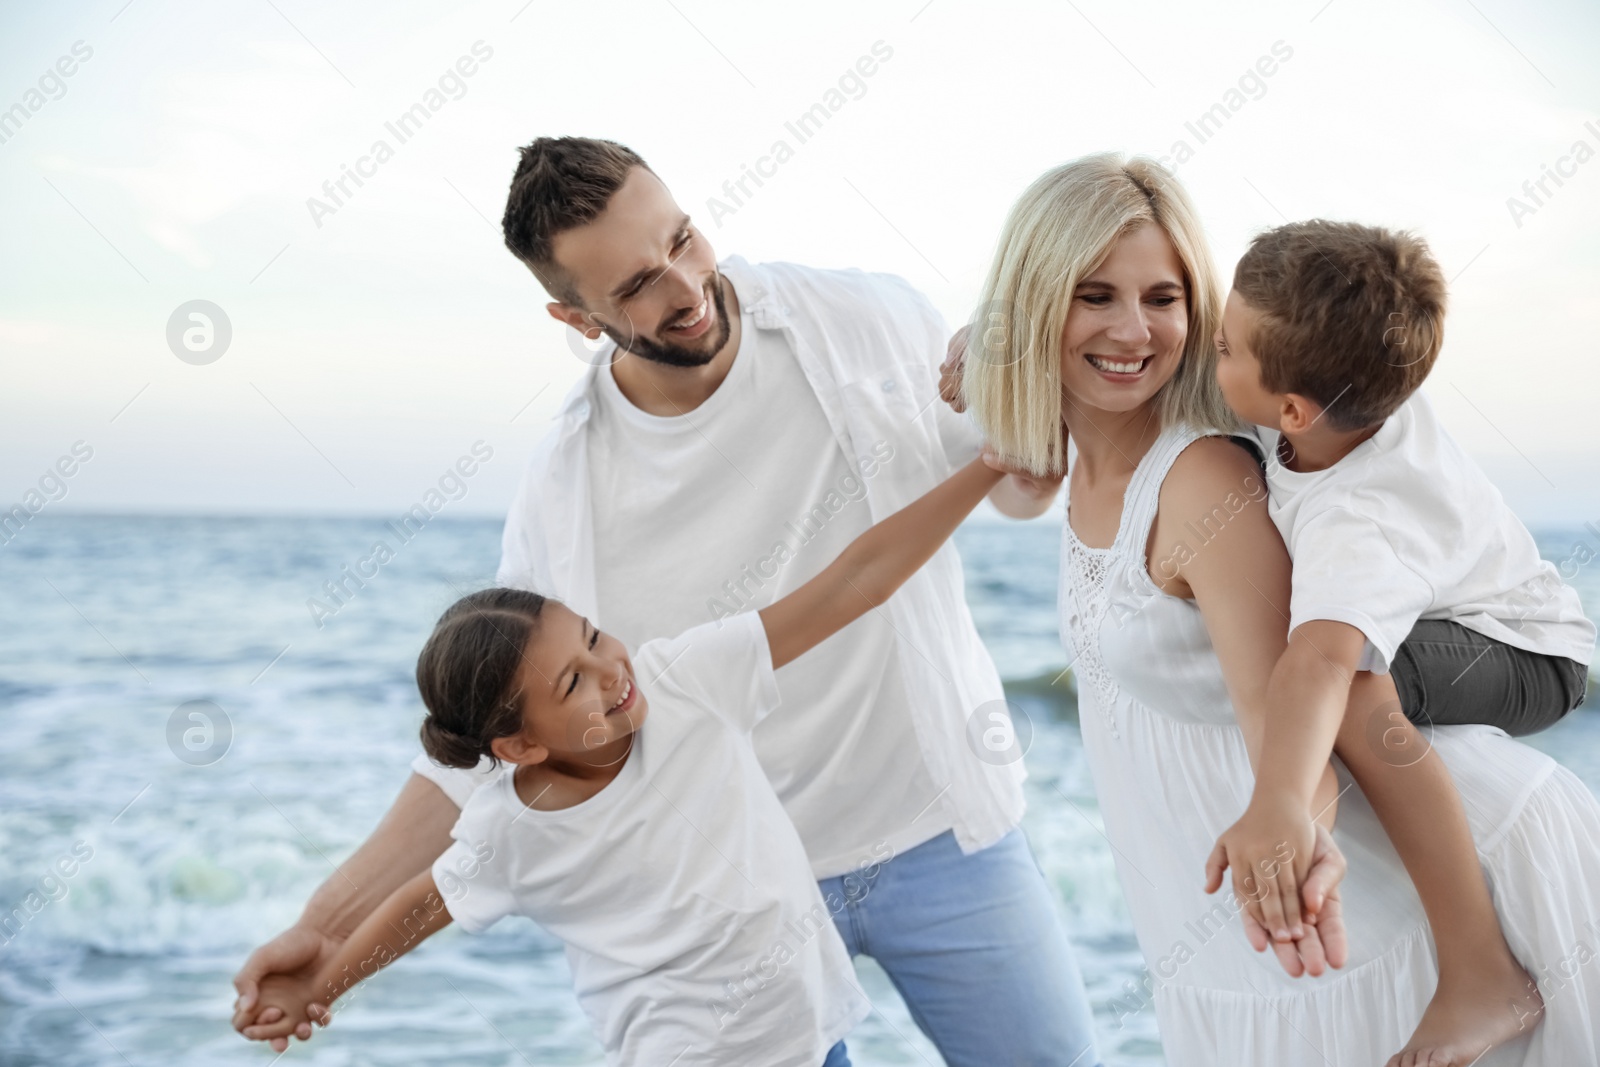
x=1319 y=894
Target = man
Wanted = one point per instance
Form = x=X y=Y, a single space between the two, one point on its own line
x=744 y=424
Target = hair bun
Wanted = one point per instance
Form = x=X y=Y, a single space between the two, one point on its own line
x=448 y=747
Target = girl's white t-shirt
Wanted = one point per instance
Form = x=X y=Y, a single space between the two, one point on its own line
x=694 y=929
x=1408 y=527
x=750 y=495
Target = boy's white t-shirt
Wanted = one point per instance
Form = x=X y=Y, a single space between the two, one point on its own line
x=694 y=929
x=1407 y=527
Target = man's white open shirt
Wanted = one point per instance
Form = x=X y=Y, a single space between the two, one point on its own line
x=869 y=345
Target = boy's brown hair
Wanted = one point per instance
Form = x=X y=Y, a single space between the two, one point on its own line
x=1352 y=316
x=560 y=184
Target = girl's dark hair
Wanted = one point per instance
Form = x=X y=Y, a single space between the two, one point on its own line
x=467 y=673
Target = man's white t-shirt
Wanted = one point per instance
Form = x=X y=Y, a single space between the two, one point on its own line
x=726 y=508
x=693 y=927
x=1407 y=527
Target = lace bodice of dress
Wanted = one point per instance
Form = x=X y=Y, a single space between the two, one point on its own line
x=1085 y=600
x=1120 y=628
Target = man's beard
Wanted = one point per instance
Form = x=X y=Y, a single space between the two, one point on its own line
x=673 y=355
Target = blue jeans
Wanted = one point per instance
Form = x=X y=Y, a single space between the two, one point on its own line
x=837 y=1057
x=975 y=946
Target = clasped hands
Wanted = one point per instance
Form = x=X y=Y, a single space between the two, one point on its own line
x=1286 y=873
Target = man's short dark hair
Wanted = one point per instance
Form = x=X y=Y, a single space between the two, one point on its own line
x=561 y=183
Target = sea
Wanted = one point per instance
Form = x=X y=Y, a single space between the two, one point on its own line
x=190 y=747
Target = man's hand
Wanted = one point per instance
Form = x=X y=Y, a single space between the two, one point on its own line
x=290 y=1001
x=951 y=369
x=297 y=954
x=1270 y=850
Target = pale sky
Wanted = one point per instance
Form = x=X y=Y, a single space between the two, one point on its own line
x=371 y=350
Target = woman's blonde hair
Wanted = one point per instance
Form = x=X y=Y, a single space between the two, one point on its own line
x=1059 y=233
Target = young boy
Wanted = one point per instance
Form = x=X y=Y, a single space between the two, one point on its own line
x=1418 y=598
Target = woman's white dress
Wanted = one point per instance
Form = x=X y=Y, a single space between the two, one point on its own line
x=1171 y=771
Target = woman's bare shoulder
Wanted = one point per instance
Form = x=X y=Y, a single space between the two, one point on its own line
x=1214 y=486
x=1209 y=470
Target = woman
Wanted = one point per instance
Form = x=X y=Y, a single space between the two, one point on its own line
x=1097 y=323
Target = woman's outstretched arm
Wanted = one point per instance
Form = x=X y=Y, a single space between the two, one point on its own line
x=874 y=565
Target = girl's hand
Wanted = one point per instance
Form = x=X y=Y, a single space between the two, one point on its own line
x=1023 y=495
x=950 y=371
x=291 y=999
x=1024 y=483
x=297 y=953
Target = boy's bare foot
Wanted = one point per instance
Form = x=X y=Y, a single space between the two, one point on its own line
x=1471 y=1014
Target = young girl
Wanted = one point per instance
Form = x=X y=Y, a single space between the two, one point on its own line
x=657 y=851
